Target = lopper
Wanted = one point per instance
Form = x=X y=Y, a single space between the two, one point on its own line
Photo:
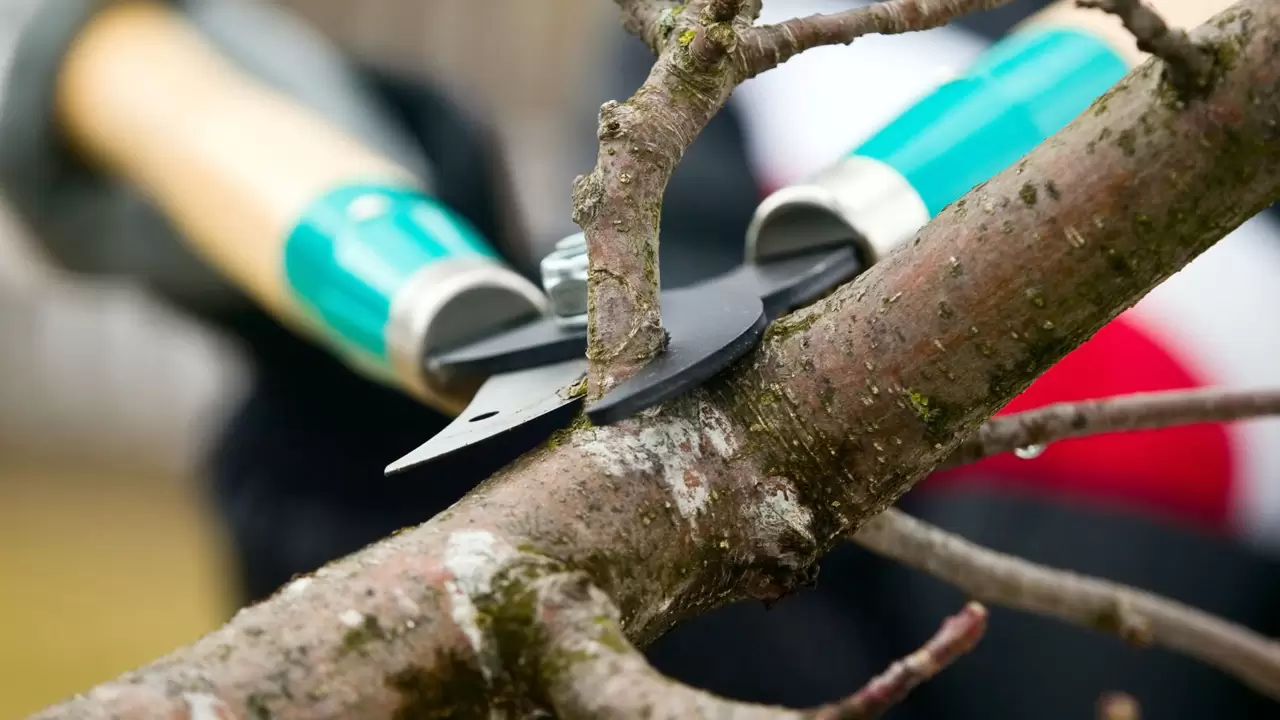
x=277 y=172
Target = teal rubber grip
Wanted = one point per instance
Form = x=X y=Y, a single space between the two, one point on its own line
x=1023 y=89
x=355 y=247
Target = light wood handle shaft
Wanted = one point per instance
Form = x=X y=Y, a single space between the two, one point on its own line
x=231 y=163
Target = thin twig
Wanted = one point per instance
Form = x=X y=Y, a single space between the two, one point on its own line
x=957 y=636
x=1190 y=66
x=1139 y=411
x=769 y=46
x=1138 y=617
x=589 y=670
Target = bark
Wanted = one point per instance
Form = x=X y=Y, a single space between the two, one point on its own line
x=1189 y=66
x=737 y=488
x=772 y=45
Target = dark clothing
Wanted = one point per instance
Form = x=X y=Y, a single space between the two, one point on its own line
x=298 y=478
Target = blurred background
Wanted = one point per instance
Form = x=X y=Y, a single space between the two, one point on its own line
x=107 y=396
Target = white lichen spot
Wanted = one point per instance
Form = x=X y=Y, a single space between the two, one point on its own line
x=671 y=451
x=675 y=451
x=297 y=587
x=405 y=603
x=351 y=618
x=779 y=513
x=718 y=431
x=466 y=617
x=474 y=557
x=203 y=706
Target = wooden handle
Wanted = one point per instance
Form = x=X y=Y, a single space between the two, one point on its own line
x=1179 y=14
x=231 y=163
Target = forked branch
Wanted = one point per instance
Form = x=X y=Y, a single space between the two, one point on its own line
x=1190 y=66
x=607 y=677
x=1138 y=617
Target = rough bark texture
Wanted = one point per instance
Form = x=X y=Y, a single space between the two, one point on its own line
x=1189 y=67
x=737 y=488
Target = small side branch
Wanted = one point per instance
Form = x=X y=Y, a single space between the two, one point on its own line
x=589 y=670
x=1140 y=411
x=1138 y=617
x=767 y=47
x=1190 y=66
x=958 y=635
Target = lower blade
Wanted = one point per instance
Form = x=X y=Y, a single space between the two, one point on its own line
x=511 y=414
x=711 y=325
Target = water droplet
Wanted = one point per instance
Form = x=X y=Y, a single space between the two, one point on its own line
x=1031 y=452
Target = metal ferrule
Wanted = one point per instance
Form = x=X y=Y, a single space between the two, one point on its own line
x=858 y=201
x=389 y=274
x=450 y=303
x=1019 y=92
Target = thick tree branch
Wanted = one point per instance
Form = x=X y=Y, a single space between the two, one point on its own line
x=592 y=672
x=1140 y=411
x=737 y=488
x=769 y=46
x=1190 y=66
x=1138 y=617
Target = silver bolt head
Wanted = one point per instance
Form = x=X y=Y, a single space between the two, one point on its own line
x=564 y=279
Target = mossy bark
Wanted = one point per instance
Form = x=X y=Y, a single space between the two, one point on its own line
x=737 y=488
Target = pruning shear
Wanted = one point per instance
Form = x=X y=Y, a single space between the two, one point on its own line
x=533 y=368
x=803 y=240
x=310 y=198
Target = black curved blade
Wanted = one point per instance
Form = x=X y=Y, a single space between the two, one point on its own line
x=784 y=285
x=710 y=326
x=510 y=415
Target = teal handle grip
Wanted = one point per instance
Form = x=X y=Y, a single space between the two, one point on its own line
x=1022 y=90
x=356 y=247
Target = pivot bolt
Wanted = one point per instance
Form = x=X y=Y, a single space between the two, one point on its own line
x=564 y=279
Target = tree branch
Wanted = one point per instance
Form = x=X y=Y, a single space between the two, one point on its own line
x=591 y=671
x=1140 y=411
x=650 y=20
x=1138 y=617
x=1190 y=66
x=767 y=47
x=957 y=636
x=736 y=489
x=619 y=203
